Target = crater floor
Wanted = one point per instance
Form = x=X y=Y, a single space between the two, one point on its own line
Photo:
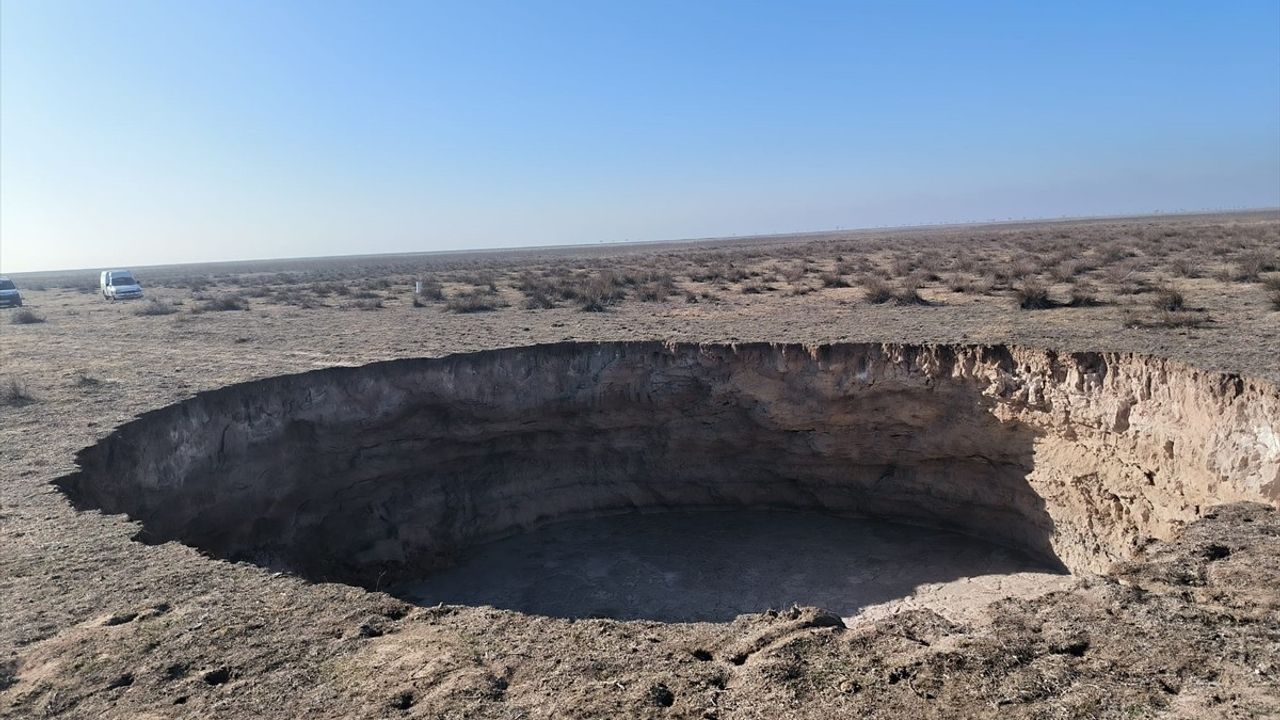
x=709 y=565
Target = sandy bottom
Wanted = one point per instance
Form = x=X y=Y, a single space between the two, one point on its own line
x=687 y=566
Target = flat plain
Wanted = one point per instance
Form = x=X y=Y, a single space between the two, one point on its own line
x=94 y=624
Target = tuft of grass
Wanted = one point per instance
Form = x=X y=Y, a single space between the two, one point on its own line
x=26 y=316
x=14 y=394
x=155 y=307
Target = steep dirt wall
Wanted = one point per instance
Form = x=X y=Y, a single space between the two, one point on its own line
x=356 y=473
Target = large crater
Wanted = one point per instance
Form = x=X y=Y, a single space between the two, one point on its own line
x=378 y=475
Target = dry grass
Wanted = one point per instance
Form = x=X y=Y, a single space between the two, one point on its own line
x=222 y=303
x=14 y=394
x=474 y=301
x=26 y=316
x=155 y=307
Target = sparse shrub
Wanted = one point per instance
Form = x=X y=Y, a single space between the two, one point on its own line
x=26 y=316
x=1275 y=299
x=431 y=290
x=1031 y=295
x=155 y=307
x=1250 y=265
x=1166 y=319
x=1184 y=267
x=1083 y=295
x=222 y=303
x=86 y=381
x=14 y=394
x=472 y=301
x=374 y=303
x=538 y=299
x=756 y=287
x=833 y=280
x=1066 y=271
x=654 y=291
x=877 y=290
x=908 y=294
x=792 y=273
x=1168 y=298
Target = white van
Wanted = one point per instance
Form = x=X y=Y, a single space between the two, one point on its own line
x=120 y=285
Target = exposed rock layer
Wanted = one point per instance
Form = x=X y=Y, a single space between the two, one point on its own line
x=351 y=473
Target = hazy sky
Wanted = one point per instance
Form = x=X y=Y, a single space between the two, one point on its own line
x=151 y=132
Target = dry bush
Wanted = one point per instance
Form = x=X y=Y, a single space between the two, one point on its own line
x=1168 y=298
x=1275 y=299
x=1250 y=265
x=222 y=303
x=1032 y=295
x=472 y=301
x=155 y=307
x=15 y=394
x=1166 y=319
x=295 y=297
x=756 y=287
x=368 y=304
x=909 y=294
x=26 y=316
x=431 y=290
x=1067 y=271
x=86 y=381
x=791 y=273
x=656 y=290
x=833 y=280
x=1185 y=267
x=1023 y=268
x=878 y=292
x=1084 y=295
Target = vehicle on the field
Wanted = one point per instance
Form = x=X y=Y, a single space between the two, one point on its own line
x=9 y=295
x=119 y=285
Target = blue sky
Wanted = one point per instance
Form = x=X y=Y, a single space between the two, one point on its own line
x=154 y=132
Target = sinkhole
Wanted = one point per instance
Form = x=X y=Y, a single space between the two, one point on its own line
x=692 y=482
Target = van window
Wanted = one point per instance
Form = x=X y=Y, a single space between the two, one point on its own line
x=7 y=285
x=122 y=280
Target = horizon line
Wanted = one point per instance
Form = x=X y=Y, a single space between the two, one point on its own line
x=687 y=240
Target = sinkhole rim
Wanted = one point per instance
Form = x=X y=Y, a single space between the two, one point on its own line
x=1004 y=394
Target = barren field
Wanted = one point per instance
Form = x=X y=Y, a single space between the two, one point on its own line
x=1140 y=355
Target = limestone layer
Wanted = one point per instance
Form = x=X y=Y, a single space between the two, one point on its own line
x=359 y=474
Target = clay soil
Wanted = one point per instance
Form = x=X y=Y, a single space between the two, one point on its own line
x=94 y=624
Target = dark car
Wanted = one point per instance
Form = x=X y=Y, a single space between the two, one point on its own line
x=9 y=295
